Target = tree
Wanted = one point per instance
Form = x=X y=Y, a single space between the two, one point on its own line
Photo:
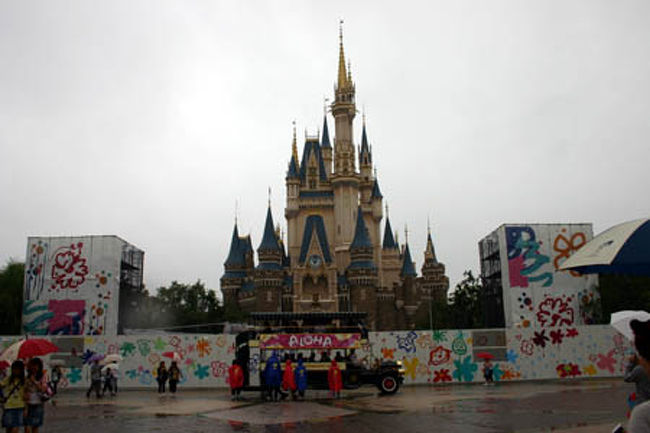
x=466 y=303
x=11 y=298
x=618 y=292
x=190 y=304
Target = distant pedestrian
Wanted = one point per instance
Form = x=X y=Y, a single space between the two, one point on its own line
x=12 y=391
x=161 y=377
x=95 y=380
x=273 y=377
x=488 y=372
x=301 y=378
x=109 y=380
x=325 y=357
x=312 y=356
x=36 y=394
x=174 y=377
x=335 y=380
x=55 y=378
x=235 y=380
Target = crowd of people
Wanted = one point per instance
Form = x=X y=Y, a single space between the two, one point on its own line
x=102 y=379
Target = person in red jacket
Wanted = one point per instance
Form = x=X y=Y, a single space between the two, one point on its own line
x=288 y=379
x=335 y=380
x=236 y=379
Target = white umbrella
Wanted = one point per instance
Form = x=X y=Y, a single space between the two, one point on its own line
x=621 y=321
x=112 y=358
x=111 y=366
x=622 y=249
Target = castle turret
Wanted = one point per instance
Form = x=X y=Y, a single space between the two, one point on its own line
x=269 y=274
x=409 y=287
x=362 y=271
x=238 y=268
x=434 y=282
x=326 y=148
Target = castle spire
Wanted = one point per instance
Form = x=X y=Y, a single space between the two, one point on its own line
x=294 y=146
x=343 y=75
x=325 y=142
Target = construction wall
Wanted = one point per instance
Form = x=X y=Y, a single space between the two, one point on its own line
x=535 y=293
x=72 y=285
x=438 y=357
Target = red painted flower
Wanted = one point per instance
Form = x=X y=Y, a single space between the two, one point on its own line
x=571 y=333
x=607 y=362
x=441 y=376
x=556 y=336
x=387 y=353
x=439 y=356
x=555 y=312
x=540 y=338
x=527 y=347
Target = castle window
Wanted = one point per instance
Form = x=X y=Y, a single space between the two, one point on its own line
x=269 y=296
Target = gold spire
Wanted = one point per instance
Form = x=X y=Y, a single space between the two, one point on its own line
x=343 y=75
x=294 y=146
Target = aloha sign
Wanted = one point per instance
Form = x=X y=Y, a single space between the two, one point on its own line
x=310 y=341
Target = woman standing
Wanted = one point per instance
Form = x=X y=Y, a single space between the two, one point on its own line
x=174 y=377
x=161 y=377
x=335 y=380
x=12 y=389
x=35 y=390
x=56 y=378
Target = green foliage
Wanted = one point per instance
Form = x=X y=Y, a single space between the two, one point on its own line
x=11 y=298
x=463 y=311
x=620 y=292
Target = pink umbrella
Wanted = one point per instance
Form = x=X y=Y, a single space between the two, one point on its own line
x=174 y=356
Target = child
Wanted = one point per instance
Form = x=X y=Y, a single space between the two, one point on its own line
x=174 y=377
x=335 y=380
x=236 y=379
x=56 y=378
x=288 y=379
x=161 y=377
x=12 y=389
x=488 y=372
x=301 y=378
x=35 y=389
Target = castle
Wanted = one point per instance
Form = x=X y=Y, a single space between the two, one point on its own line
x=335 y=259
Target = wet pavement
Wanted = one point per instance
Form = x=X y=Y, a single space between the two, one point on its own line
x=570 y=407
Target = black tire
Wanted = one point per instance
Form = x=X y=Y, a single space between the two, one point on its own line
x=388 y=384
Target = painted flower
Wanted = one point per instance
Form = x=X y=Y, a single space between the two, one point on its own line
x=127 y=349
x=143 y=347
x=407 y=343
x=441 y=376
x=465 y=370
x=220 y=341
x=507 y=375
x=556 y=336
x=555 y=312
x=203 y=347
x=589 y=370
x=189 y=348
x=219 y=368
x=74 y=375
x=439 y=356
x=439 y=336
x=527 y=347
x=571 y=333
x=459 y=346
x=497 y=373
x=607 y=362
x=540 y=338
x=131 y=374
x=159 y=344
x=512 y=356
x=410 y=366
x=388 y=353
x=425 y=341
x=201 y=371
x=174 y=341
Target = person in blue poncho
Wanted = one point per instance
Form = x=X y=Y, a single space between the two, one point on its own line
x=301 y=378
x=273 y=376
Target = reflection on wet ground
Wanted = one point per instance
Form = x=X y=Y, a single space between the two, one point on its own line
x=576 y=407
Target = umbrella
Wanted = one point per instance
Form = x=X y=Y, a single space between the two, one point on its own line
x=4 y=365
x=621 y=321
x=174 y=356
x=95 y=357
x=484 y=355
x=112 y=358
x=112 y=366
x=25 y=349
x=622 y=249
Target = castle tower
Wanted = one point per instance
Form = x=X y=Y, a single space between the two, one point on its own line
x=434 y=282
x=269 y=274
x=362 y=272
x=345 y=179
x=326 y=147
x=237 y=280
x=408 y=290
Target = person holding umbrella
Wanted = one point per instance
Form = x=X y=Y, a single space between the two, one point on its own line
x=55 y=377
x=36 y=393
x=95 y=379
x=640 y=417
x=488 y=368
x=161 y=377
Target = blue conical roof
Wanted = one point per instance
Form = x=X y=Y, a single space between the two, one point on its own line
x=235 y=257
x=389 y=239
x=430 y=252
x=361 y=237
x=325 y=142
x=269 y=240
x=408 y=269
x=293 y=169
x=376 y=192
x=364 y=141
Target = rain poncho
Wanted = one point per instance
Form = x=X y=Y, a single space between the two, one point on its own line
x=301 y=376
x=334 y=377
x=272 y=371
x=288 y=380
x=235 y=376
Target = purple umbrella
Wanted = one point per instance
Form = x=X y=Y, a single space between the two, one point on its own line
x=96 y=357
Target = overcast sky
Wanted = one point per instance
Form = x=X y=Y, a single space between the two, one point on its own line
x=150 y=119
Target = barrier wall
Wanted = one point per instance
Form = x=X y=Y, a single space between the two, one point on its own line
x=438 y=357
